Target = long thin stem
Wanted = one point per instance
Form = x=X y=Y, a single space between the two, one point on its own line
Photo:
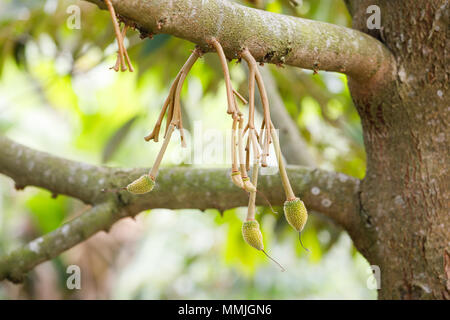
x=283 y=174
x=118 y=35
x=253 y=70
x=177 y=121
x=237 y=94
x=254 y=143
x=223 y=61
x=234 y=159
x=241 y=148
x=154 y=171
x=127 y=58
x=251 y=98
x=252 y=198
x=169 y=100
x=172 y=103
x=265 y=103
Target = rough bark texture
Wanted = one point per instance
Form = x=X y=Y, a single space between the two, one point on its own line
x=270 y=37
x=404 y=196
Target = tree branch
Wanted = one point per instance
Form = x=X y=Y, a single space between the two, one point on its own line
x=334 y=194
x=15 y=266
x=270 y=37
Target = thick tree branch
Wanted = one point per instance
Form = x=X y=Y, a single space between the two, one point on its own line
x=334 y=194
x=16 y=265
x=270 y=37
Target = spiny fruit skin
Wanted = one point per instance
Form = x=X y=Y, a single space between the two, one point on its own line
x=142 y=185
x=295 y=213
x=252 y=235
x=237 y=179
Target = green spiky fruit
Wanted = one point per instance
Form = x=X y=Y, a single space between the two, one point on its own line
x=295 y=213
x=252 y=235
x=142 y=185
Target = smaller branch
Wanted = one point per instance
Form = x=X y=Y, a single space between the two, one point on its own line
x=18 y=263
x=60 y=176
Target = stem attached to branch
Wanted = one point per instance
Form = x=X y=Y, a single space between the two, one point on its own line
x=252 y=198
x=226 y=73
x=119 y=35
x=125 y=52
x=154 y=171
x=254 y=71
x=234 y=157
x=284 y=177
x=169 y=100
x=172 y=104
x=241 y=148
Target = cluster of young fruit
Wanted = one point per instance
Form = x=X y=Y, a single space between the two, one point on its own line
x=257 y=144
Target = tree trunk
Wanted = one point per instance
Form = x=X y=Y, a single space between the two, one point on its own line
x=404 y=195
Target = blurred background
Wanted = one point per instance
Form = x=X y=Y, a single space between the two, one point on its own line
x=58 y=94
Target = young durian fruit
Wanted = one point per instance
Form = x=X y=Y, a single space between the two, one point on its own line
x=142 y=185
x=295 y=213
x=253 y=236
x=236 y=177
x=294 y=208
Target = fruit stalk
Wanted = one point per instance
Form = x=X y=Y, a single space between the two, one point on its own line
x=154 y=171
x=284 y=177
x=223 y=61
x=118 y=36
x=252 y=198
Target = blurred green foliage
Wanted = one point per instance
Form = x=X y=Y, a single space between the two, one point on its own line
x=57 y=94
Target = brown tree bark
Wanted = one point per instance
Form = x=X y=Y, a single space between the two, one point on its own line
x=405 y=193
